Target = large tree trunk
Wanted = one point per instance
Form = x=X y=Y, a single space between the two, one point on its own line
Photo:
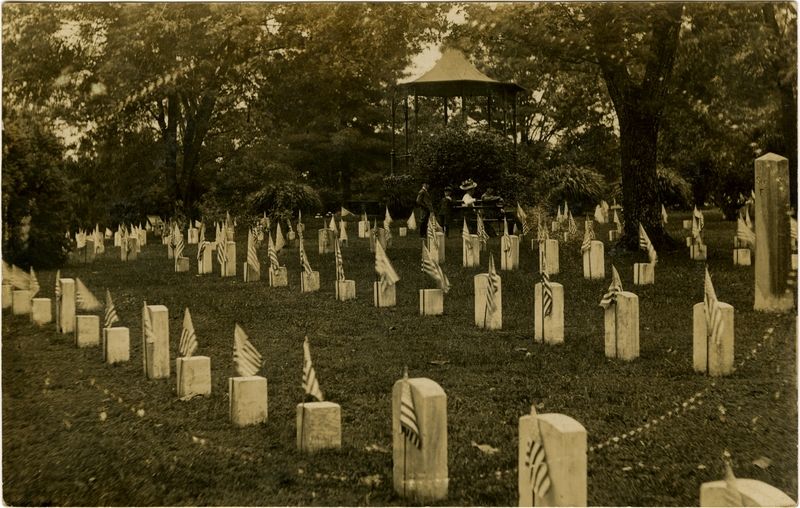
x=639 y=106
x=640 y=198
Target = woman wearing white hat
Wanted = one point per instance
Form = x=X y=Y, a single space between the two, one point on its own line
x=468 y=186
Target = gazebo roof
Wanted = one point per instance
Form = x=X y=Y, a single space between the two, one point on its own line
x=453 y=75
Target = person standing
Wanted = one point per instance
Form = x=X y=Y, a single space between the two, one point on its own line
x=425 y=202
x=445 y=210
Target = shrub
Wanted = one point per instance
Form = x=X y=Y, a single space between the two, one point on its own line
x=36 y=203
x=451 y=155
x=399 y=192
x=281 y=200
x=673 y=190
x=581 y=187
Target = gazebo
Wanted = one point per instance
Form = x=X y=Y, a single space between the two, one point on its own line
x=454 y=76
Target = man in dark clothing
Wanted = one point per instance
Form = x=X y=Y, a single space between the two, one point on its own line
x=425 y=202
x=445 y=210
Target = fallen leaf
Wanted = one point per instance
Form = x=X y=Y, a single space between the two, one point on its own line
x=67 y=424
x=140 y=413
x=103 y=416
x=520 y=349
x=376 y=448
x=762 y=462
x=439 y=362
x=485 y=448
x=371 y=480
x=199 y=440
x=701 y=466
x=627 y=468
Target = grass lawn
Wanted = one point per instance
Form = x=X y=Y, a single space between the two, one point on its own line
x=57 y=451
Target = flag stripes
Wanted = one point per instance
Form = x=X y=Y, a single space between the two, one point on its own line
x=304 y=258
x=383 y=267
x=536 y=463
x=491 y=287
x=337 y=251
x=408 y=415
x=246 y=357
x=714 y=324
x=610 y=297
x=646 y=245
x=547 y=293
x=310 y=382
x=432 y=268
x=111 y=316
x=84 y=299
x=188 y=342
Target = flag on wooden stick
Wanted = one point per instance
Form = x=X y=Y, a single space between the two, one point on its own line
x=646 y=245
x=547 y=289
x=252 y=254
x=34 y=283
x=84 y=299
x=536 y=461
x=433 y=239
x=111 y=316
x=345 y=212
x=408 y=413
x=384 y=267
x=222 y=247
x=744 y=233
x=310 y=382
x=572 y=226
x=522 y=218
x=411 y=223
x=387 y=223
x=271 y=253
x=201 y=249
x=432 y=268
x=588 y=234
x=58 y=287
x=337 y=251
x=188 y=343
x=465 y=236
x=714 y=324
x=610 y=297
x=664 y=216
x=492 y=287
x=179 y=244
x=280 y=242
x=246 y=357
x=304 y=258
x=343 y=230
x=483 y=237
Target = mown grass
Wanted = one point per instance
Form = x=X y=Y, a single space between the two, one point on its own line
x=57 y=451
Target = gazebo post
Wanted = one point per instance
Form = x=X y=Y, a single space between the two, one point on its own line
x=391 y=162
x=489 y=110
x=463 y=109
x=514 y=119
x=416 y=120
x=445 y=110
x=405 y=114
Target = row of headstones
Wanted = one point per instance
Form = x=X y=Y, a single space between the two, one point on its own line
x=318 y=422
x=420 y=469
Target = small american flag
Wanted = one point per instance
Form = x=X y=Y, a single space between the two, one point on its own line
x=310 y=382
x=714 y=323
x=111 y=316
x=536 y=462
x=646 y=245
x=491 y=287
x=84 y=299
x=411 y=223
x=337 y=251
x=188 y=343
x=179 y=245
x=744 y=233
x=547 y=292
x=408 y=414
x=222 y=247
x=274 y=264
x=588 y=234
x=202 y=235
x=432 y=268
x=387 y=223
x=664 y=216
x=280 y=242
x=522 y=217
x=34 y=283
x=201 y=250
x=342 y=230
x=465 y=236
x=304 y=258
x=482 y=235
x=541 y=232
x=246 y=357
x=616 y=287
x=572 y=226
x=747 y=221
x=252 y=253
x=58 y=286
x=384 y=267
x=697 y=219
x=433 y=240
x=732 y=495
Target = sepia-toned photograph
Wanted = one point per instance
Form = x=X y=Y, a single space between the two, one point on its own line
x=399 y=254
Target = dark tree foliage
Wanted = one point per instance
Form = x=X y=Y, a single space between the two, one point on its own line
x=36 y=200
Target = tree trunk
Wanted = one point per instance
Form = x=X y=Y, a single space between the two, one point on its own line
x=170 y=138
x=640 y=198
